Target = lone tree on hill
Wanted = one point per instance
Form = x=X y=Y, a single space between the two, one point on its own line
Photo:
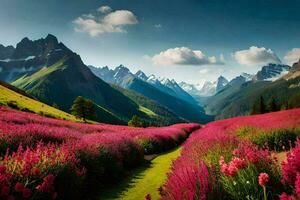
x=135 y=122
x=83 y=108
x=259 y=106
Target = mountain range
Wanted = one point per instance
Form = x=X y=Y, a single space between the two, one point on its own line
x=270 y=72
x=163 y=91
x=52 y=73
x=273 y=81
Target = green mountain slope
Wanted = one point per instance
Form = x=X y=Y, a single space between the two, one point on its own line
x=10 y=96
x=52 y=73
x=68 y=78
x=158 y=114
x=122 y=77
x=185 y=110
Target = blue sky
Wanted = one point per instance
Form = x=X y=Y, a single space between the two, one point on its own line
x=190 y=40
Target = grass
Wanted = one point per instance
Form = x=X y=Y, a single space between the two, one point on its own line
x=147 y=111
x=144 y=180
x=23 y=102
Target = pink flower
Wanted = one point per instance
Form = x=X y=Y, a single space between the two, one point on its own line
x=263 y=179
x=27 y=193
x=284 y=196
x=36 y=171
x=5 y=190
x=19 y=187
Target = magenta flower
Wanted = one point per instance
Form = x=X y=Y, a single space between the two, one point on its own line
x=284 y=196
x=263 y=179
x=19 y=187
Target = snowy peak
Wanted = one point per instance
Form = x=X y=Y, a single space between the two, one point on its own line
x=141 y=75
x=271 y=72
x=121 y=74
x=221 y=83
x=209 y=88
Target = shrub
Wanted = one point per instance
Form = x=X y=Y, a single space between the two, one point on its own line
x=274 y=139
x=13 y=105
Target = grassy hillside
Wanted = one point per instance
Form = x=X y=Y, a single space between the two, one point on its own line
x=9 y=97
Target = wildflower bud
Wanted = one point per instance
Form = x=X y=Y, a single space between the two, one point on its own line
x=36 y=171
x=263 y=179
x=19 y=187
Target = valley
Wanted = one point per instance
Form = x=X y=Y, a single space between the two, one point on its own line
x=149 y=100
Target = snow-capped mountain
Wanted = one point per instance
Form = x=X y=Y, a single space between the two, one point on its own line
x=122 y=76
x=271 y=72
x=168 y=86
x=141 y=75
x=221 y=83
x=239 y=80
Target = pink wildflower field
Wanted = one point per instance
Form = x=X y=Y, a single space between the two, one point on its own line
x=217 y=162
x=43 y=158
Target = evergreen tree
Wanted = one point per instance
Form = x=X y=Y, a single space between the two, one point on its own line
x=78 y=108
x=258 y=107
x=272 y=107
x=135 y=122
x=90 y=109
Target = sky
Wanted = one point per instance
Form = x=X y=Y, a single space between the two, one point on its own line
x=188 y=40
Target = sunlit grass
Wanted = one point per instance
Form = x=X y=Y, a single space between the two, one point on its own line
x=144 y=180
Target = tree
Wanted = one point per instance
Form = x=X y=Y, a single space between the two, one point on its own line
x=272 y=106
x=83 y=108
x=259 y=106
x=90 y=109
x=135 y=122
x=78 y=108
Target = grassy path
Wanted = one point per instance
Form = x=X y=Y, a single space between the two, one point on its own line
x=145 y=179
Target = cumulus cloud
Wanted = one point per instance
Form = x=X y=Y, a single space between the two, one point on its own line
x=292 y=56
x=256 y=56
x=183 y=56
x=105 y=9
x=110 y=22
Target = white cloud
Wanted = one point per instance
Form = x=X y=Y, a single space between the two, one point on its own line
x=292 y=56
x=105 y=9
x=112 y=22
x=256 y=56
x=183 y=56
